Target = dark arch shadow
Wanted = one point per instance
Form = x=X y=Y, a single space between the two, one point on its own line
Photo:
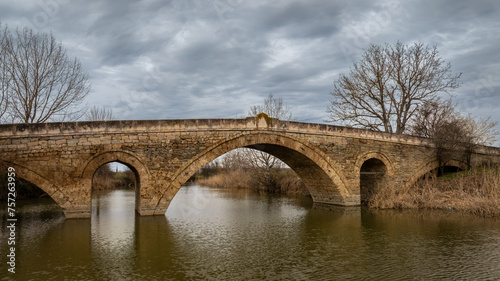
x=42 y=183
x=372 y=177
x=430 y=168
x=31 y=201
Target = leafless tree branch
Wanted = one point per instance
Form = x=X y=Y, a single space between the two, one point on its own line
x=99 y=114
x=44 y=83
x=382 y=90
x=4 y=77
x=273 y=107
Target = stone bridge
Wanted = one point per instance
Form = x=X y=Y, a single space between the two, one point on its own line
x=337 y=164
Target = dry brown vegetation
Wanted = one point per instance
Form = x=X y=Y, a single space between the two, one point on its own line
x=283 y=182
x=475 y=191
x=104 y=179
x=230 y=179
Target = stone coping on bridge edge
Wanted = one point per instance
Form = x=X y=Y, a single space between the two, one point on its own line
x=170 y=125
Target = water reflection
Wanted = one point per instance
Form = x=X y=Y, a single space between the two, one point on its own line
x=113 y=233
x=240 y=235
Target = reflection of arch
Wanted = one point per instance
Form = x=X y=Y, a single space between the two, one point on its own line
x=430 y=166
x=324 y=180
x=140 y=170
x=44 y=184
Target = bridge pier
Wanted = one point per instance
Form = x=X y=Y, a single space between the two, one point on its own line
x=330 y=198
x=78 y=212
x=151 y=212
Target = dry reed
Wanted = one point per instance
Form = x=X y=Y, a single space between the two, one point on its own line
x=229 y=179
x=287 y=183
x=476 y=191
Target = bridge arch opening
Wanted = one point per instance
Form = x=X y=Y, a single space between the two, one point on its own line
x=31 y=200
x=372 y=177
x=114 y=175
x=114 y=181
x=28 y=187
x=130 y=160
x=322 y=178
x=432 y=169
x=252 y=169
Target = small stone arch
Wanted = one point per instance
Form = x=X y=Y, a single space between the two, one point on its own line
x=377 y=155
x=324 y=180
x=142 y=175
x=431 y=165
x=374 y=170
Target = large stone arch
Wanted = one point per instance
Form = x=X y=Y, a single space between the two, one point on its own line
x=430 y=165
x=132 y=161
x=324 y=180
x=54 y=191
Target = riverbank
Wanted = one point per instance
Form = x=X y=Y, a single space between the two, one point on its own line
x=476 y=191
x=281 y=181
x=106 y=179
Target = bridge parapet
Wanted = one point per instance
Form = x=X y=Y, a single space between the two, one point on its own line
x=172 y=125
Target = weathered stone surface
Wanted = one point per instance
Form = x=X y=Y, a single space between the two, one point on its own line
x=61 y=158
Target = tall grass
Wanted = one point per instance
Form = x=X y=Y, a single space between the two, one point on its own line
x=475 y=191
x=283 y=182
x=111 y=180
x=229 y=179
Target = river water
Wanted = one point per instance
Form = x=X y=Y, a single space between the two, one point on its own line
x=210 y=234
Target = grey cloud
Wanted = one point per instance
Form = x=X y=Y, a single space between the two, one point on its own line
x=189 y=59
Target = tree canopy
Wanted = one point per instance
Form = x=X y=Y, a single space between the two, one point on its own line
x=383 y=90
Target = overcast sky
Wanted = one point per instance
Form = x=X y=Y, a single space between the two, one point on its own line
x=157 y=59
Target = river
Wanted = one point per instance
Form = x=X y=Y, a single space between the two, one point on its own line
x=210 y=234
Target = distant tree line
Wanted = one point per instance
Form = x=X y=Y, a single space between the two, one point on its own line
x=105 y=178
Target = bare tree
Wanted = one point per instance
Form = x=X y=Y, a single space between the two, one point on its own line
x=430 y=117
x=45 y=84
x=451 y=132
x=482 y=131
x=264 y=165
x=273 y=107
x=235 y=160
x=4 y=77
x=382 y=90
x=99 y=114
x=438 y=121
x=477 y=133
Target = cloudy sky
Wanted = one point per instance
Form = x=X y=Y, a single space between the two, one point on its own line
x=156 y=59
